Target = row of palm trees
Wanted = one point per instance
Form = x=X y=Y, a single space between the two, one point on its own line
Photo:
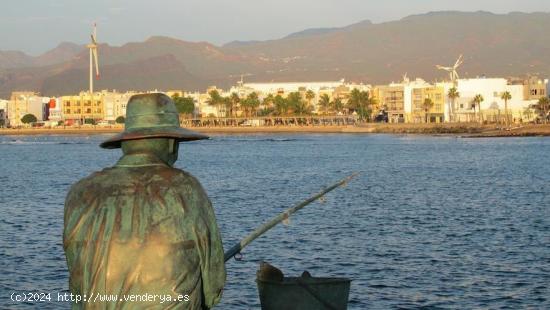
x=360 y=102
x=453 y=94
x=542 y=107
x=295 y=103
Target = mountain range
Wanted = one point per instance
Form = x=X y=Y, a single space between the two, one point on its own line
x=512 y=44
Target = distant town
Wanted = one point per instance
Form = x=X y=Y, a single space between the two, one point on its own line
x=482 y=99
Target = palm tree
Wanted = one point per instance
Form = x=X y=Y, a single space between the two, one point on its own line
x=506 y=96
x=427 y=105
x=478 y=99
x=298 y=105
x=310 y=95
x=337 y=105
x=360 y=101
x=453 y=94
x=215 y=99
x=251 y=103
x=542 y=107
x=281 y=105
x=233 y=101
x=324 y=102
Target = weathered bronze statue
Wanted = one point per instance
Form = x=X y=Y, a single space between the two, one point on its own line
x=143 y=230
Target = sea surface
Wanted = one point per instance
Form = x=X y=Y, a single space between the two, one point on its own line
x=430 y=222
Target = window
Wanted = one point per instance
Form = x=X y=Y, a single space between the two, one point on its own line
x=88 y=111
x=68 y=111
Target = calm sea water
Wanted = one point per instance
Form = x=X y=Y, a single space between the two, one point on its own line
x=433 y=222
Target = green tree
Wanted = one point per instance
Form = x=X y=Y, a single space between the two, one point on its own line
x=232 y=103
x=251 y=103
x=120 y=120
x=185 y=105
x=506 y=96
x=360 y=102
x=542 y=107
x=310 y=95
x=427 y=105
x=29 y=118
x=453 y=94
x=215 y=99
x=297 y=104
x=280 y=105
x=324 y=103
x=478 y=99
x=337 y=105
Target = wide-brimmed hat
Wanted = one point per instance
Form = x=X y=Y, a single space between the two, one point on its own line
x=151 y=116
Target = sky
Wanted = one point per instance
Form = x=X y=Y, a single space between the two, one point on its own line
x=35 y=26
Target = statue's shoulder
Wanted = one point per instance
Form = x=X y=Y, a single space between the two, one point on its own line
x=184 y=177
x=92 y=182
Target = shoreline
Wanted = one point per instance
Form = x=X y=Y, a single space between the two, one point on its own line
x=466 y=130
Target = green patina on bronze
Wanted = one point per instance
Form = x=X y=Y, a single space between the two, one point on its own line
x=143 y=227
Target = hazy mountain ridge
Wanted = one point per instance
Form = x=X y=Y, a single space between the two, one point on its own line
x=65 y=51
x=492 y=44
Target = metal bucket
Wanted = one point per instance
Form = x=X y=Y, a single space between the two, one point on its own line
x=304 y=293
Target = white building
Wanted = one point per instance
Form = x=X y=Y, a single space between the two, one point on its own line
x=283 y=88
x=115 y=104
x=492 y=106
x=22 y=103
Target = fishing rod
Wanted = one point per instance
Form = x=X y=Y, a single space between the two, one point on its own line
x=236 y=249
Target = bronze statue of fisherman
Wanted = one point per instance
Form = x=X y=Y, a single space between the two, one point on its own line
x=143 y=230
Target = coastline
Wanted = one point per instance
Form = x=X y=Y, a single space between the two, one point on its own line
x=473 y=130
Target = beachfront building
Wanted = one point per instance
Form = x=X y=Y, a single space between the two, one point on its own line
x=493 y=106
x=55 y=111
x=391 y=98
x=26 y=102
x=404 y=101
x=335 y=89
x=114 y=104
x=83 y=108
x=423 y=112
x=282 y=88
x=534 y=88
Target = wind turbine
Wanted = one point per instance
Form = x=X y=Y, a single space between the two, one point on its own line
x=93 y=58
x=452 y=70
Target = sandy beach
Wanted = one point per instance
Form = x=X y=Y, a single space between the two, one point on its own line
x=460 y=129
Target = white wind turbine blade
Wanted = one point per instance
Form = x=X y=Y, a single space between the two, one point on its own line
x=94 y=51
x=443 y=68
x=458 y=62
x=94 y=35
